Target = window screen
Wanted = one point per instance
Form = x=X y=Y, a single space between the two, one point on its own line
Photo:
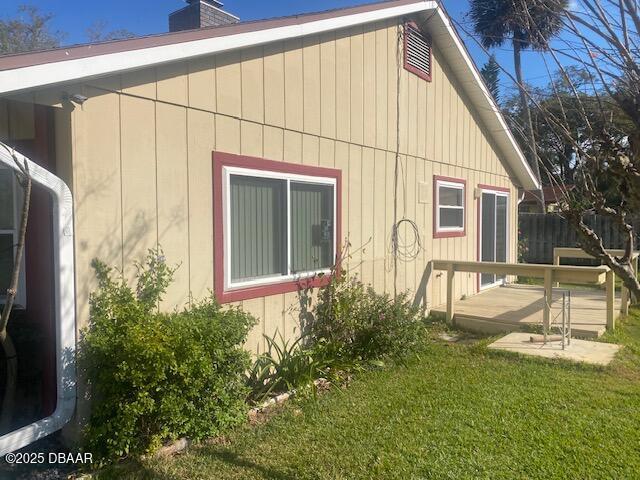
x=7 y=227
x=450 y=206
x=501 y=228
x=488 y=237
x=258 y=227
x=279 y=227
x=6 y=262
x=311 y=227
x=6 y=199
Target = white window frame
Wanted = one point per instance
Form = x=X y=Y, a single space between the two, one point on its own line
x=497 y=193
x=458 y=186
x=227 y=172
x=21 y=296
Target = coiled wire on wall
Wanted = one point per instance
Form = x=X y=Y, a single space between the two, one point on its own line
x=407 y=247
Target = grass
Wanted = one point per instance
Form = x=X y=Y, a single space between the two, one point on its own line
x=456 y=412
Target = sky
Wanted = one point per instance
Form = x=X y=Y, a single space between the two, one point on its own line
x=150 y=16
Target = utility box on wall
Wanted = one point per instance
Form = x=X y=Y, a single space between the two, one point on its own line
x=424 y=192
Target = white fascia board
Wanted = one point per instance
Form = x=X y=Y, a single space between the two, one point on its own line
x=21 y=79
x=65 y=306
x=490 y=111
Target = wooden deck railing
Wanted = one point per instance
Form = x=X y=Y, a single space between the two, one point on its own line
x=550 y=273
x=567 y=252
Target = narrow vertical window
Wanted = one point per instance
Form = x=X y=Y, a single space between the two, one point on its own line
x=9 y=219
x=311 y=227
x=257 y=227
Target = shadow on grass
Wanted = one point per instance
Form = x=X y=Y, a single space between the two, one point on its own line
x=136 y=470
x=231 y=458
x=132 y=470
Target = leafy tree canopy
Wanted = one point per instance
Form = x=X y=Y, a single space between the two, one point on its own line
x=530 y=23
x=98 y=32
x=32 y=30
x=582 y=111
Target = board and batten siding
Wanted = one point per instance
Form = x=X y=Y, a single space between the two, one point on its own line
x=142 y=170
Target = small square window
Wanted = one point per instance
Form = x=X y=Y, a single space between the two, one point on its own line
x=449 y=207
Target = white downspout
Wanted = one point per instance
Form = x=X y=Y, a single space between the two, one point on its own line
x=65 y=310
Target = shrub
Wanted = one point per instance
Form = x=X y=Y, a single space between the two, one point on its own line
x=155 y=377
x=288 y=365
x=284 y=366
x=361 y=324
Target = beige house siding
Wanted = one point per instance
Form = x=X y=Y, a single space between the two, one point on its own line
x=141 y=154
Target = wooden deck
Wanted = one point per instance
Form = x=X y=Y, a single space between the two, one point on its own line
x=510 y=307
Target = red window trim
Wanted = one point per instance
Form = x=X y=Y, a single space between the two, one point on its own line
x=411 y=68
x=220 y=160
x=441 y=234
x=483 y=186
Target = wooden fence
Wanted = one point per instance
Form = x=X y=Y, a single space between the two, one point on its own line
x=540 y=233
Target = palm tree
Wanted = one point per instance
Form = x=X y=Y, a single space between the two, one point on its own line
x=491 y=75
x=527 y=24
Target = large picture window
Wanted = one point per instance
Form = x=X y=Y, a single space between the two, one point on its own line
x=449 y=207
x=9 y=220
x=279 y=225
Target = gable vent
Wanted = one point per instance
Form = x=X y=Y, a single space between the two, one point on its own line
x=417 y=51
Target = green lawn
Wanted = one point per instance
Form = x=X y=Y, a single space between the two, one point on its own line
x=457 y=412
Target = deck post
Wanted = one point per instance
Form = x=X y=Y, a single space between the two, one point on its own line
x=634 y=263
x=556 y=261
x=624 y=300
x=611 y=291
x=548 y=300
x=450 y=292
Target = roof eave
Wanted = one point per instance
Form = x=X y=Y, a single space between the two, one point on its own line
x=20 y=80
x=30 y=77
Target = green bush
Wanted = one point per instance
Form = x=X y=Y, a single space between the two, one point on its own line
x=284 y=366
x=288 y=365
x=155 y=377
x=361 y=324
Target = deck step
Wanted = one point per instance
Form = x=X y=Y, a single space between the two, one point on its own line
x=484 y=325
x=493 y=326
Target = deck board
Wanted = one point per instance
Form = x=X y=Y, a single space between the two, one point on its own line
x=518 y=305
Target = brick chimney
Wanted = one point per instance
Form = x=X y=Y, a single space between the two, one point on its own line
x=199 y=14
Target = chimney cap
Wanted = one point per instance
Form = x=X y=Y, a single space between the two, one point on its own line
x=215 y=3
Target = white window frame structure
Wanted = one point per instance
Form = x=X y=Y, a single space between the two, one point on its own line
x=65 y=305
x=227 y=172
x=21 y=296
x=458 y=186
x=497 y=193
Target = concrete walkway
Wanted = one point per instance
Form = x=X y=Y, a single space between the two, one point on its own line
x=596 y=353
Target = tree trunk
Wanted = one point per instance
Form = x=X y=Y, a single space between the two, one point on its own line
x=592 y=244
x=535 y=163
